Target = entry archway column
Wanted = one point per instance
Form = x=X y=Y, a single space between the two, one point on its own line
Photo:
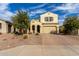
x=12 y=29
x=35 y=28
x=57 y=29
x=31 y=29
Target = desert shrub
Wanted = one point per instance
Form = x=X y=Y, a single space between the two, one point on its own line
x=0 y=33
x=37 y=34
x=13 y=37
x=25 y=36
x=52 y=32
x=4 y=39
x=17 y=33
x=30 y=33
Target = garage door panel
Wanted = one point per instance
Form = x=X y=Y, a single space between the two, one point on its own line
x=47 y=29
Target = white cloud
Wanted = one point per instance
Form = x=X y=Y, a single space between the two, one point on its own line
x=4 y=11
x=38 y=11
x=70 y=8
x=3 y=6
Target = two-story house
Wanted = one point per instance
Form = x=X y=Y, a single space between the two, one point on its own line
x=47 y=23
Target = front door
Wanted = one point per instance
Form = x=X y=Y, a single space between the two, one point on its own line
x=38 y=28
x=33 y=28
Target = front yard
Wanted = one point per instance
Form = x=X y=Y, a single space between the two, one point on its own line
x=10 y=40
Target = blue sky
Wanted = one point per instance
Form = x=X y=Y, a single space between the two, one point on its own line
x=36 y=9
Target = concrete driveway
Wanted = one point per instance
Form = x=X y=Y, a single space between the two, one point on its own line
x=38 y=50
x=51 y=45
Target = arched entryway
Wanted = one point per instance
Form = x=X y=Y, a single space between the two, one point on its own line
x=38 y=28
x=9 y=28
x=33 y=28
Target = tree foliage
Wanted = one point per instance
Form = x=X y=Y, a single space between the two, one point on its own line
x=71 y=24
x=21 y=21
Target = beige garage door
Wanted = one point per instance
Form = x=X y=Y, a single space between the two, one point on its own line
x=48 y=29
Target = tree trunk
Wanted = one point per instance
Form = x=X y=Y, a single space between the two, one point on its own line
x=20 y=30
x=25 y=31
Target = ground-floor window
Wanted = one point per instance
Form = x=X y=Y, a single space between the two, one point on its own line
x=33 y=28
x=0 y=25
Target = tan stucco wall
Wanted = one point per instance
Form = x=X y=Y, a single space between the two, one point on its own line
x=49 y=14
x=46 y=27
x=78 y=31
x=4 y=27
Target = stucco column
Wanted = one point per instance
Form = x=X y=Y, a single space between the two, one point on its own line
x=6 y=28
x=35 y=28
x=31 y=29
x=27 y=30
x=41 y=27
x=57 y=29
x=12 y=29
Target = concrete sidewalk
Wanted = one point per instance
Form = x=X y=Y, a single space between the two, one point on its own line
x=41 y=50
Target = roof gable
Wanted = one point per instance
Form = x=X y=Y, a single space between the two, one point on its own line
x=48 y=13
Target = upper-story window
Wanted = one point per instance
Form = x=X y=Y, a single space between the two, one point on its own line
x=48 y=19
x=51 y=18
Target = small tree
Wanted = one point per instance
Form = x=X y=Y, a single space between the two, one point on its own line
x=21 y=21
x=61 y=29
x=71 y=25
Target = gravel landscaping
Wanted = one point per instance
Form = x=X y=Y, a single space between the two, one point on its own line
x=11 y=40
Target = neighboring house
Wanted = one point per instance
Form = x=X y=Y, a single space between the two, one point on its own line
x=47 y=23
x=5 y=26
x=78 y=31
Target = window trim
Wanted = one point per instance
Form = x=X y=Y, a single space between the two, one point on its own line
x=48 y=19
x=51 y=19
